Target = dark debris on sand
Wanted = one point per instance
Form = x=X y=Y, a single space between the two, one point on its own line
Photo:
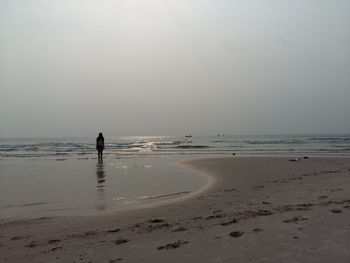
x=89 y=234
x=321 y=197
x=176 y=244
x=31 y=244
x=295 y=219
x=257 y=230
x=230 y=190
x=260 y=212
x=115 y=260
x=216 y=216
x=304 y=207
x=156 y=221
x=19 y=237
x=56 y=248
x=53 y=241
x=232 y=221
x=121 y=241
x=113 y=230
x=337 y=211
x=180 y=229
x=152 y=228
x=151 y=225
x=236 y=234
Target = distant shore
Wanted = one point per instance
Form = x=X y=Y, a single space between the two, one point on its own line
x=254 y=210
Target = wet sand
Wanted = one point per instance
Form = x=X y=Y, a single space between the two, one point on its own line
x=256 y=210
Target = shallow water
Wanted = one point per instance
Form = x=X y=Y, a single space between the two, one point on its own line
x=37 y=187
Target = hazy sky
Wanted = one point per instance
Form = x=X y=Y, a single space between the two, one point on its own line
x=164 y=67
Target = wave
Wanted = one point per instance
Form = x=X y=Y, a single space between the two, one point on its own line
x=226 y=141
x=330 y=139
x=192 y=146
x=274 y=141
x=169 y=143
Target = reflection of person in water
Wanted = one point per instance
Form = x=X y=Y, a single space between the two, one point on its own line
x=100 y=145
x=100 y=176
x=100 y=173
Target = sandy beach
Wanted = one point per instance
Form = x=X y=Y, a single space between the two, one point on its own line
x=262 y=209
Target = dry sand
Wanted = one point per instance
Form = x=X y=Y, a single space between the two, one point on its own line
x=256 y=210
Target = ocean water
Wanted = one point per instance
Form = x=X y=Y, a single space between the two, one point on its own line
x=63 y=177
x=136 y=146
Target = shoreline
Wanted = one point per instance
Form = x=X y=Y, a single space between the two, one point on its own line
x=257 y=209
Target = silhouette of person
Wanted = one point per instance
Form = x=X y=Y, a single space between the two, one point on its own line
x=100 y=145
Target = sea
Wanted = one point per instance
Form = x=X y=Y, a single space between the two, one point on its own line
x=138 y=146
x=45 y=177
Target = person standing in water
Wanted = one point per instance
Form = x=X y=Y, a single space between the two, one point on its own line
x=100 y=145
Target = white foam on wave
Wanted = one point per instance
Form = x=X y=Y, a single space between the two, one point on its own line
x=119 y=198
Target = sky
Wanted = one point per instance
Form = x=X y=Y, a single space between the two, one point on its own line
x=173 y=67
